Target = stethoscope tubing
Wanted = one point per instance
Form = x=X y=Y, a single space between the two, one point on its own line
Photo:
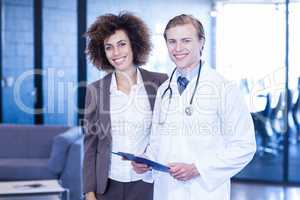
x=171 y=92
x=169 y=85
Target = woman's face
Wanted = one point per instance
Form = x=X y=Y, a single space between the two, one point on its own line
x=118 y=51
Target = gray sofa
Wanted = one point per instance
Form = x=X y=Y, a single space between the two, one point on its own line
x=29 y=152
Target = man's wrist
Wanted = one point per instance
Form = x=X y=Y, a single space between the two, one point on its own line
x=195 y=170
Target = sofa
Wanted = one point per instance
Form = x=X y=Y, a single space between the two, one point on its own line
x=36 y=152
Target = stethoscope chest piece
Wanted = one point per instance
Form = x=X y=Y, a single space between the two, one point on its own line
x=189 y=111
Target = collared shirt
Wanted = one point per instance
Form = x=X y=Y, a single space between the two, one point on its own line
x=192 y=74
x=130 y=120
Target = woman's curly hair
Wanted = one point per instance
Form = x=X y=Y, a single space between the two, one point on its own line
x=105 y=26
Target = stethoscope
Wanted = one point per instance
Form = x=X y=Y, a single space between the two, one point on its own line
x=189 y=109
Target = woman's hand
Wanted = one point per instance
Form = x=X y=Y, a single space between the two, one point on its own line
x=140 y=168
x=90 y=196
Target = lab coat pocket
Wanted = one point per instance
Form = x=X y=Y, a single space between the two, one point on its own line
x=207 y=117
x=180 y=190
x=202 y=125
x=202 y=131
x=206 y=105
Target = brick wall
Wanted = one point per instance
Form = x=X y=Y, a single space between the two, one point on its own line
x=59 y=60
x=17 y=32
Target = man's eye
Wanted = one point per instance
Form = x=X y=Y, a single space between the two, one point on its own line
x=171 y=42
x=186 y=41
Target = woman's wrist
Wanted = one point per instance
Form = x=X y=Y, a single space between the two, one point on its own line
x=90 y=194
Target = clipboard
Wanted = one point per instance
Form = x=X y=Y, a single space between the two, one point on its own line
x=154 y=165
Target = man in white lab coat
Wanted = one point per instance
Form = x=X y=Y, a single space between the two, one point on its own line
x=201 y=126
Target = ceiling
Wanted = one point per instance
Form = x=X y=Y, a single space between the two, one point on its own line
x=255 y=1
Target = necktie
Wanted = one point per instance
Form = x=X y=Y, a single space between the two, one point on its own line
x=182 y=82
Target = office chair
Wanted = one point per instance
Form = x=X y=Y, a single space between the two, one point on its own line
x=263 y=128
x=296 y=112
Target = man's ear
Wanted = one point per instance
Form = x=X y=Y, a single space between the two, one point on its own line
x=202 y=42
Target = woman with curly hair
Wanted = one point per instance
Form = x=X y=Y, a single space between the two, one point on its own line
x=118 y=108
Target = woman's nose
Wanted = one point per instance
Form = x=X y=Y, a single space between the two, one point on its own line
x=116 y=51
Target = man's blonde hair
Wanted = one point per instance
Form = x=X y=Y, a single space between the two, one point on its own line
x=185 y=19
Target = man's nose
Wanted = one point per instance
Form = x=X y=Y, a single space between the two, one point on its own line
x=178 y=46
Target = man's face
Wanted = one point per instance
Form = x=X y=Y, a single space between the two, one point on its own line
x=184 y=46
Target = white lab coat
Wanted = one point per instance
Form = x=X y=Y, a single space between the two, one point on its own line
x=218 y=138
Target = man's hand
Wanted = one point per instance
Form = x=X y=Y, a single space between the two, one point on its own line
x=140 y=168
x=183 y=171
x=90 y=196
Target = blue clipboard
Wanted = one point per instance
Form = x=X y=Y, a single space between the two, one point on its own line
x=154 y=165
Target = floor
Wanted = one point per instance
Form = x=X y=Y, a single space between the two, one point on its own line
x=53 y=197
x=269 y=167
x=247 y=191
x=239 y=191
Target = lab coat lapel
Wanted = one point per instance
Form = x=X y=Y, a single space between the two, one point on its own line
x=174 y=86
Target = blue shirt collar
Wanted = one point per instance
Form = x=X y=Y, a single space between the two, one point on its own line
x=192 y=74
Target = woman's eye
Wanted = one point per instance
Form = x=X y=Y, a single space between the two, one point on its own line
x=122 y=44
x=107 y=48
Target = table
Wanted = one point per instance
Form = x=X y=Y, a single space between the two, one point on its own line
x=33 y=190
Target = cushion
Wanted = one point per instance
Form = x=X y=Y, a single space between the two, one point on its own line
x=25 y=169
x=60 y=148
x=28 y=141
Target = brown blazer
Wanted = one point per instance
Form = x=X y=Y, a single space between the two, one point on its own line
x=97 y=128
